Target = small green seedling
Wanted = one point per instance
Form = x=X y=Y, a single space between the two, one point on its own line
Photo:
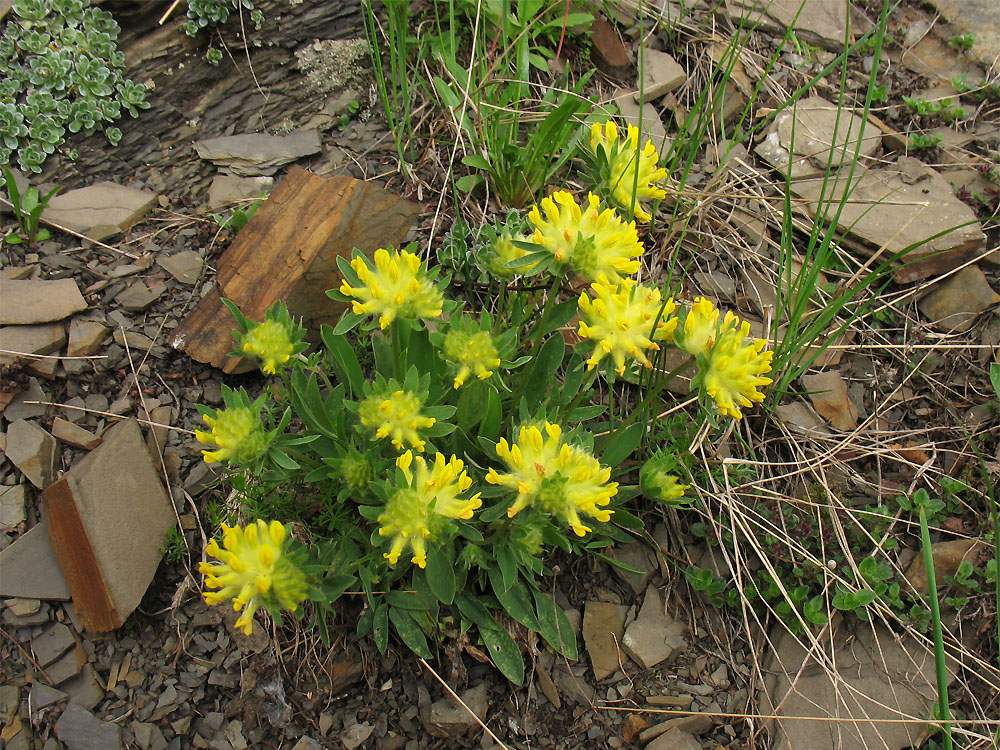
x=239 y=216
x=962 y=42
x=28 y=208
x=174 y=547
x=923 y=142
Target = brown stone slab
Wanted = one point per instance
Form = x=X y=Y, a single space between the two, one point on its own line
x=107 y=518
x=289 y=251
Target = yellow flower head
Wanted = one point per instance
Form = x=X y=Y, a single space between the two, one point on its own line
x=396 y=415
x=238 y=433
x=420 y=508
x=396 y=287
x=560 y=479
x=700 y=330
x=624 y=162
x=619 y=319
x=472 y=352
x=271 y=342
x=254 y=569
x=595 y=242
x=736 y=369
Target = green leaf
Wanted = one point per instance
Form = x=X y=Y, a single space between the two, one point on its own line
x=440 y=574
x=334 y=586
x=489 y=427
x=506 y=564
x=477 y=161
x=472 y=609
x=504 y=652
x=406 y=600
x=345 y=360
x=622 y=444
x=995 y=377
x=515 y=600
x=409 y=632
x=544 y=368
x=468 y=183
x=554 y=626
x=283 y=459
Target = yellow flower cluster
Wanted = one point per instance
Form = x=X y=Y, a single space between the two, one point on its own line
x=631 y=174
x=397 y=416
x=737 y=369
x=271 y=342
x=504 y=251
x=697 y=335
x=253 y=569
x=594 y=242
x=473 y=353
x=619 y=319
x=397 y=287
x=555 y=477
x=237 y=432
x=417 y=511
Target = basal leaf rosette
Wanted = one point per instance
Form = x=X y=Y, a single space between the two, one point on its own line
x=736 y=368
x=255 y=568
x=426 y=499
x=623 y=319
x=624 y=172
x=555 y=477
x=391 y=286
x=273 y=342
x=593 y=241
x=237 y=432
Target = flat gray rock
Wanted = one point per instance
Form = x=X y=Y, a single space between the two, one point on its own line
x=977 y=17
x=81 y=730
x=184 y=266
x=35 y=301
x=226 y=189
x=85 y=337
x=21 y=406
x=897 y=207
x=32 y=450
x=603 y=628
x=828 y=393
x=654 y=636
x=37 y=339
x=879 y=675
x=814 y=133
x=52 y=643
x=955 y=303
x=661 y=74
x=258 y=153
x=822 y=22
x=645 y=117
x=100 y=210
x=449 y=719
x=12 y=506
x=43 y=696
x=30 y=569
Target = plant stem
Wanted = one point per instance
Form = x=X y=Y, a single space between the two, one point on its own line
x=943 y=711
x=537 y=340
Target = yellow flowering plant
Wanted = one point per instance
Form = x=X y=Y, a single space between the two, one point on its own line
x=439 y=458
x=622 y=172
x=273 y=341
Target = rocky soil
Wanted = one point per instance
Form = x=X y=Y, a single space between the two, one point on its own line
x=137 y=660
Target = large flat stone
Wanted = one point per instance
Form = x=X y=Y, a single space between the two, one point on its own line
x=35 y=301
x=661 y=74
x=897 y=208
x=654 y=636
x=37 y=339
x=107 y=517
x=877 y=675
x=29 y=569
x=100 y=210
x=955 y=303
x=977 y=17
x=258 y=153
x=822 y=22
x=81 y=730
